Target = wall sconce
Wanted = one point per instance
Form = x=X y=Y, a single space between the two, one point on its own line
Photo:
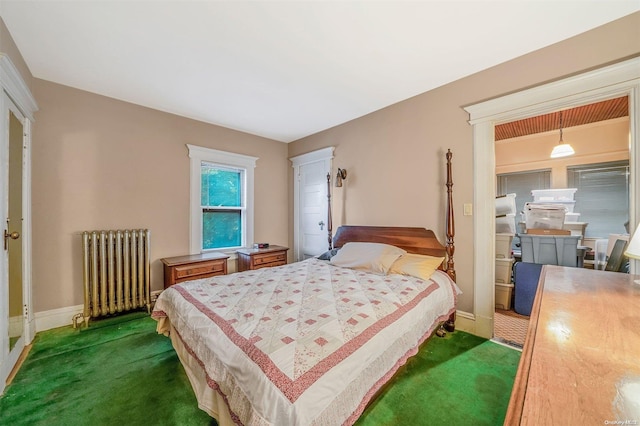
x=342 y=174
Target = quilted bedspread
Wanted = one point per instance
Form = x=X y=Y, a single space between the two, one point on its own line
x=305 y=343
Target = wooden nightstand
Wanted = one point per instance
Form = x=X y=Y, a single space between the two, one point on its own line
x=261 y=258
x=193 y=267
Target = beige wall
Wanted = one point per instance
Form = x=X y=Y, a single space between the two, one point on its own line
x=594 y=143
x=99 y=163
x=395 y=156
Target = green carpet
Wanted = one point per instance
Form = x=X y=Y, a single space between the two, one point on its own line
x=117 y=372
x=460 y=379
x=120 y=372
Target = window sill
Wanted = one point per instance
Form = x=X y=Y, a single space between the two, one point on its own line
x=231 y=253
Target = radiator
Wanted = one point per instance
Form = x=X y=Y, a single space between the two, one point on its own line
x=115 y=273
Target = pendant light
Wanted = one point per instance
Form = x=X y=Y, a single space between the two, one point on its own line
x=562 y=149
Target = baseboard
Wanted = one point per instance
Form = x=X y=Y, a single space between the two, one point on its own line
x=465 y=321
x=46 y=320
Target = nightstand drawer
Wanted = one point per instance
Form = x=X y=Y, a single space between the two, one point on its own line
x=193 y=270
x=193 y=267
x=261 y=258
x=265 y=259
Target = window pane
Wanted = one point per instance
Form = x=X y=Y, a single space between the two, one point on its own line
x=602 y=198
x=521 y=184
x=221 y=229
x=220 y=186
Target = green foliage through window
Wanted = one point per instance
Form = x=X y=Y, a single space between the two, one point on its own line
x=221 y=228
x=221 y=199
x=220 y=187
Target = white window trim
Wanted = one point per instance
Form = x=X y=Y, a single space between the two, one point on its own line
x=198 y=154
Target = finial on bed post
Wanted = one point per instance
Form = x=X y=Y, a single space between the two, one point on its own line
x=451 y=231
x=329 y=223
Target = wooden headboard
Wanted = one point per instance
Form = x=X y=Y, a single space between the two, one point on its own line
x=413 y=240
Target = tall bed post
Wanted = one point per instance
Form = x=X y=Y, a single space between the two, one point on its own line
x=329 y=221
x=451 y=230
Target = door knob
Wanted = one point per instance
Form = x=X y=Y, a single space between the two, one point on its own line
x=13 y=235
x=321 y=223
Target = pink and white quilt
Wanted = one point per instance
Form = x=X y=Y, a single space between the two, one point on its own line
x=307 y=343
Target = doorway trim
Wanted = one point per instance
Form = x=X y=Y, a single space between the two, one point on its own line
x=621 y=79
x=324 y=154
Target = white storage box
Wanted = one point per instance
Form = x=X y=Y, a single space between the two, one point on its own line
x=558 y=194
x=506 y=224
x=503 y=296
x=503 y=245
x=576 y=228
x=503 y=270
x=568 y=205
x=550 y=249
x=571 y=217
x=506 y=204
x=544 y=216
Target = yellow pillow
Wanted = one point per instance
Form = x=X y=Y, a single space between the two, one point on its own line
x=416 y=265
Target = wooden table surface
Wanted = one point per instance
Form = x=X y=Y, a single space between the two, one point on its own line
x=580 y=363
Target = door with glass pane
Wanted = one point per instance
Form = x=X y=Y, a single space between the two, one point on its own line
x=12 y=258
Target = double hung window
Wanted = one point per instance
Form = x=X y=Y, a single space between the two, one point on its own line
x=221 y=199
x=602 y=198
x=521 y=184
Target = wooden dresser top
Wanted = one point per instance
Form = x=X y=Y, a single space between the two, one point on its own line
x=582 y=349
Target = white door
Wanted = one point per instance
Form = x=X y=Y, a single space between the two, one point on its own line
x=11 y=257
x=311 y=218
x=314 y=237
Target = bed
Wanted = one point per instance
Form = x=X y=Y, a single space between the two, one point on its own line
x=311 y=343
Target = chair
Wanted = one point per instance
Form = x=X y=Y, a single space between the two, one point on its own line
x=617 y=261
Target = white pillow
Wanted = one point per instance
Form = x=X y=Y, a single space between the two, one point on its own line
x=372 y=257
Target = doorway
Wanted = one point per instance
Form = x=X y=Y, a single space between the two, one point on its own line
x=310 y=189
x=622 y=79
x=597 y=203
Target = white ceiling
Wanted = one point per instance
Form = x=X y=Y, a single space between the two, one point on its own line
x=283 y=70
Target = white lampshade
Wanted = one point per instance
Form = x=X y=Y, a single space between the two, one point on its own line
x=633 y=248
x=562 y=150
